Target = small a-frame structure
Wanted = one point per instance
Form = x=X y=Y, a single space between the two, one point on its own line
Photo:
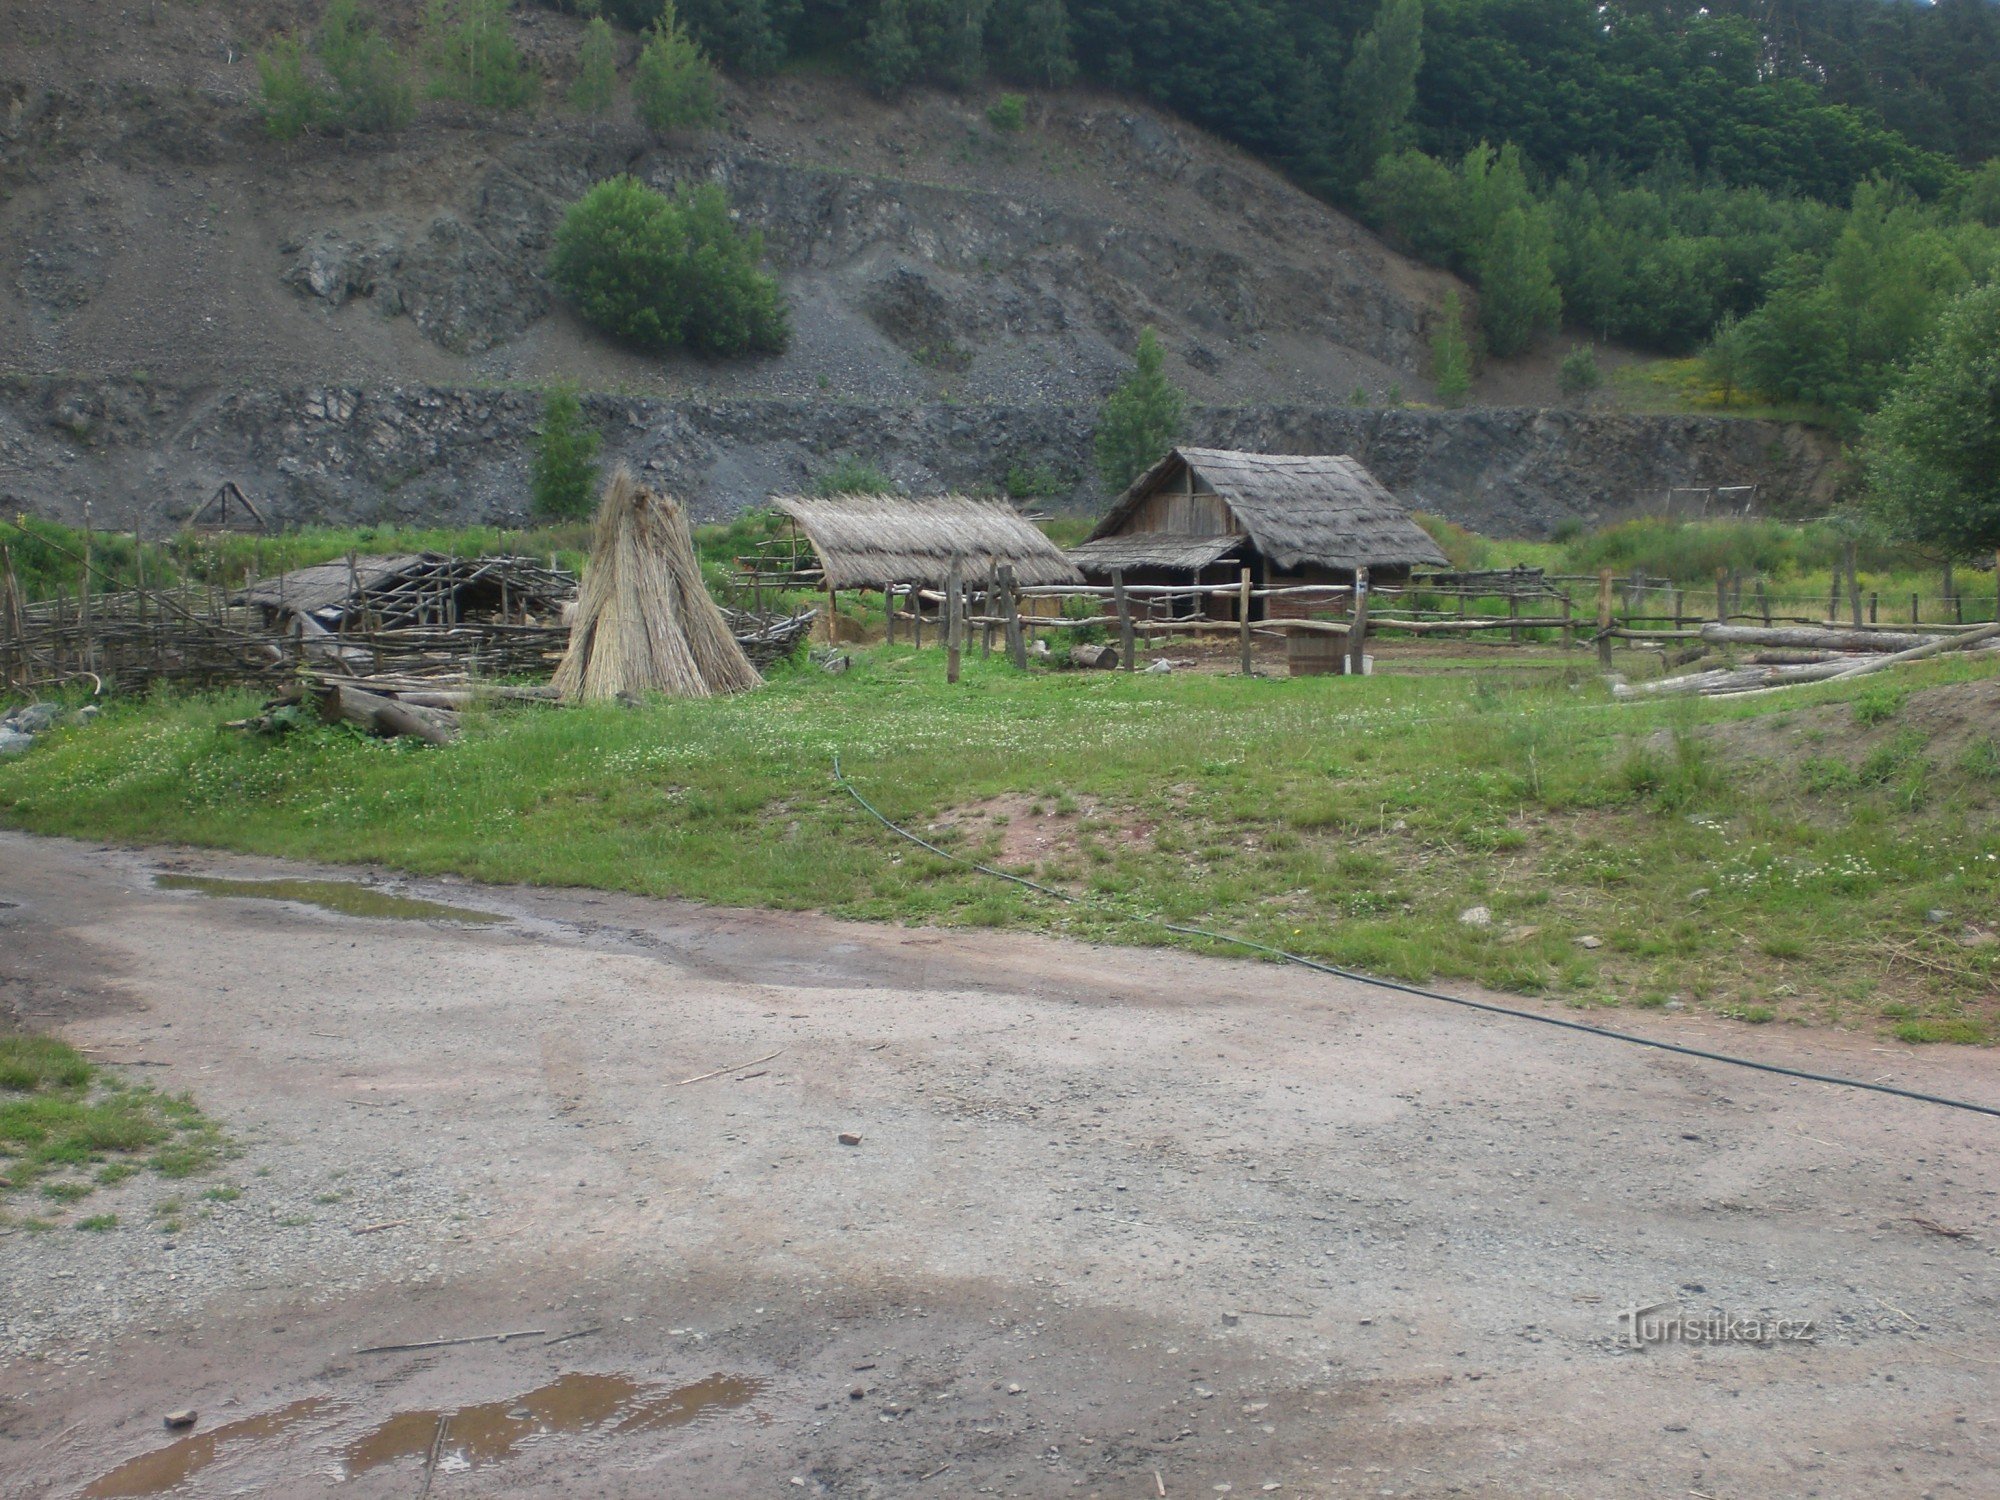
x=228 y=509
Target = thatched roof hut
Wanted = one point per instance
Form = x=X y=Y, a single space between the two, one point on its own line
x=1294 y=510
x=885 y=541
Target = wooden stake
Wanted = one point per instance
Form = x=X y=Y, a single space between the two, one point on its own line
x=1125 y=649
x=889 y=610
x=1604 y=618
x=954 y=620
x=1853 y=586
x=1763 y=601
x=1357 y=625
x=1010 y=609
x=1243 y=619
x=1722 y=596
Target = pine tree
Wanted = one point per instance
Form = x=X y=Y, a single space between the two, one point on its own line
x=292 y=102
x=1141 y=419
x=371 y=85
x=596 y=83
x=470 y=51
x=889 y=50
x=1451 y=353
x=565 y=471
x=674 y=85
x=1378 y=88
x=1033 y=41
x=1517 y=286
x=741 y=34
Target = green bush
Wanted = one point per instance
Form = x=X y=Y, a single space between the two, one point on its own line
x=371 y=87
x=1032 y=482
x=1692 y=551
x=470 y=51
x=674 y=86
x=1579 y=375
x=666 y=273
x=596 y=83
x=292 y=103
x=565 y=473
x=1008 y=114
x=854 y=476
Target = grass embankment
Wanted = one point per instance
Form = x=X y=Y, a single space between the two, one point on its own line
x=1354 y=820
x=68 y=1128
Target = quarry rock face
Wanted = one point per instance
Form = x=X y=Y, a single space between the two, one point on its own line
x=147 y=455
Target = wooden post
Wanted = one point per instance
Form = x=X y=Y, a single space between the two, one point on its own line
x=1569 y=625
x=1950 y=592
x=832 y=614
x=1125 y=647
x=889 y=602
x=1874 y=605
x=916 y=597
x=1010 y=609
x=954 y=620
x=1913 y=609
x=88 y=655
x=12 y=622
x=1763 y=600
x=986 y=617
x=1357 y=626
x=1243 y=619
x=1853 y=586
x=1833 y=597
x=1722 y=596
x=1513 y=613
x=1604 y=618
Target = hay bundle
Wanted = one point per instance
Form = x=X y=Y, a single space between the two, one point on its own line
x=644 y=621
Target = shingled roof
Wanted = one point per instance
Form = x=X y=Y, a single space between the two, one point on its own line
x=874 y=541
x=1322 y=510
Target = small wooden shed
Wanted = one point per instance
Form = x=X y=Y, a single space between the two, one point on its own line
x=1201 y=515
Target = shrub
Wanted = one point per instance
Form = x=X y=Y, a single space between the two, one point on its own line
x=470 y=51
x=1467 y=551
x=292 y=103
x=1579 y=374
x=674 y=85
x=1008 y=114
x=1141 y=419
x=1032 y=482
x=854 y=476
x=596 y=70
x=1451 y=354
x=565 y=472
x=371 y=85
x=665 y=273
x=1878 y=704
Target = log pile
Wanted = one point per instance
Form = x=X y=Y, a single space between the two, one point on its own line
x=1833 y=654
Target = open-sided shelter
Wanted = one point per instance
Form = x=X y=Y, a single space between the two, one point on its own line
x=888 y=541
x=1201 y=515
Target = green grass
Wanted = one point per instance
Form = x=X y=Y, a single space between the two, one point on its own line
x=71 y=1128
x=1351 y=820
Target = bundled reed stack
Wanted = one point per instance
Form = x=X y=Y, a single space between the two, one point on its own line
x=644 y=620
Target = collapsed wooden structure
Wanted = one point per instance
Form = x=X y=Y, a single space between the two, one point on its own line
x=415 y=589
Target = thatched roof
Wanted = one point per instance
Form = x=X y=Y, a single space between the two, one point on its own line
x=1298 y=509
x=1154 y=549
x=874 y=541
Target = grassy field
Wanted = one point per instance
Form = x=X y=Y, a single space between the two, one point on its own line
x=1815 y=857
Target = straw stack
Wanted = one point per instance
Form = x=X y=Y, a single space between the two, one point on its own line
x=644 y=620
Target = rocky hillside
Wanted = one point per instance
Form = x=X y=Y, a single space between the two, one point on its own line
x=183 y=297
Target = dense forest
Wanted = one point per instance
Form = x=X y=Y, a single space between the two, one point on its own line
x=1794 y=188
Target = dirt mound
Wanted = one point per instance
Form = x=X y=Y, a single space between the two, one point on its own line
x=1951 y=726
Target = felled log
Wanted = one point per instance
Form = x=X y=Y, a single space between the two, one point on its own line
x=1814 y=637
x=388 y=717
x=1099 y=658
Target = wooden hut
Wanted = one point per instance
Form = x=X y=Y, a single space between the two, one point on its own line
x=1201 y=515
x=412 y=589
x=885 y=541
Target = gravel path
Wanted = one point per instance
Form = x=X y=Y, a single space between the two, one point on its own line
x=1118 y=1221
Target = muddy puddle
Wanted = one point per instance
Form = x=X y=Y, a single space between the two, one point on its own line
x=161 y=1470
x=344 y=896
x=472 y=1437
x=453 y=1440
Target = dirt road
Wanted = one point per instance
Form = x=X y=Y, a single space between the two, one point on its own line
x=1119 y=1223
